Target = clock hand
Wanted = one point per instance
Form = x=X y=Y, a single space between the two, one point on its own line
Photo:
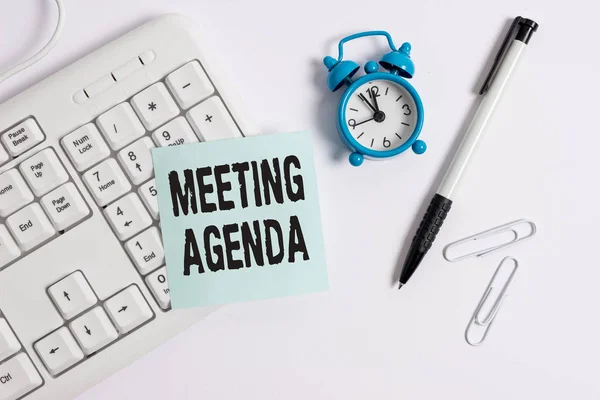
x=352 y=123
x=366 y=120
x=374 y=97
x=363 y=98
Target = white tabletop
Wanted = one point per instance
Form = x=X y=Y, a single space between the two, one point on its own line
x=364 y=338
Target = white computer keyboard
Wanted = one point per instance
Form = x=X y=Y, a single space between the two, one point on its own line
x=83 y=288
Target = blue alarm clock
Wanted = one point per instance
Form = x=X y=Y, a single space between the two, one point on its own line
x=380 y=114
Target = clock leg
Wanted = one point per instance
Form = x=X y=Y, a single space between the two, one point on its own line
x=356 y=159
x=419 y=147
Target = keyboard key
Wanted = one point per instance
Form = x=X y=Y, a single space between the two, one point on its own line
x=65 y=206
x=211 y=120
x=93 y=330
x=136 y=159
x=14 y=192
x=30 y=226
x=9 y=344
x=120 y=126
x=58 y=351
x=189 y=84
x=146 y=250
x=44 y=172
x=18 y=377
x=128 y=309
x=85 y=147
x=175 y=133
x=3 y=155
x=148 y=194
x=128 y=216
x=155 y=106
x=159 y=286
x=106 y=181
x=8 y=248
x=72 y=295
x=22 y=137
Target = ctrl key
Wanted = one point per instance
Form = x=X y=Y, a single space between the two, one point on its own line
x=18 y=377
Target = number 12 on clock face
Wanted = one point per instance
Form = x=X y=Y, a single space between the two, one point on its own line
x=381 y=115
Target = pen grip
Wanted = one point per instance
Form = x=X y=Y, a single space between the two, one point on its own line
x=432 y=222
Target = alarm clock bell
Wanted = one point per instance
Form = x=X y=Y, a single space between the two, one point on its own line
x=398 y=62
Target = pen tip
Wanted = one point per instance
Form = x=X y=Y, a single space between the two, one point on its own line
x=400 y=285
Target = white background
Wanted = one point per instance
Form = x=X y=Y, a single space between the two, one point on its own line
x=363 y=338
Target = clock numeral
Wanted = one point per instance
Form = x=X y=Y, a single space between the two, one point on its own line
x=372 y=141
x=352 y=123
x=407 y=110
x=373 y=91
x=386 y=143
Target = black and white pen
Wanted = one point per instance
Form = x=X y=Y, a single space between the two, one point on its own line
x=510 y=52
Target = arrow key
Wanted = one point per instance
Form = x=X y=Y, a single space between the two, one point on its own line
x=128 y=309
x=93 y=330
x=58 y=351
x=72 y=295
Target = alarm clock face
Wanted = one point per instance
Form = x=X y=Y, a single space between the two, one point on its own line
x=381 y=115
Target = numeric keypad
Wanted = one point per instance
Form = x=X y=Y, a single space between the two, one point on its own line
x=184 y=108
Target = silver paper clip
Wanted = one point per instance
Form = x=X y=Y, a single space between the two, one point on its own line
x=486 y=322
x=512 y=228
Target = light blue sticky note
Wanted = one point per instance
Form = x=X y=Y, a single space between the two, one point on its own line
x=240 y=219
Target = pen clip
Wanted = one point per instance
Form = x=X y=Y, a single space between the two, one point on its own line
x=510 y=35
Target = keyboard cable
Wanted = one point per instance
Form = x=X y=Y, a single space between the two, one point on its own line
x=44 y=51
